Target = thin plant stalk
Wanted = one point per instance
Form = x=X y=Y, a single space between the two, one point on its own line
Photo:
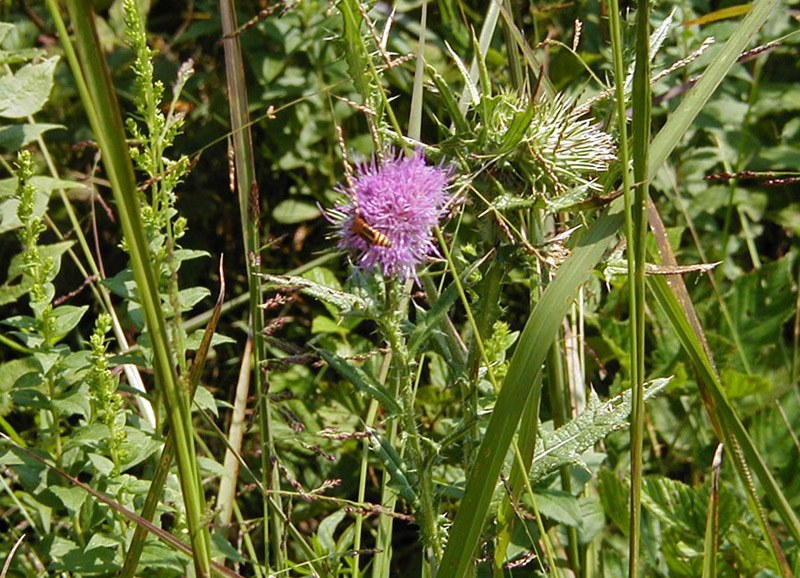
x=372 y=412
x=250 y=214
x=107 y=125
x=636 y=246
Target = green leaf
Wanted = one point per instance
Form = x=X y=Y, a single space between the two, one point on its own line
x=10 y=372
x=293 y=211
x=518 y=385
x=8 y=206
x=138 y=446
x=433 y=318
x=327 y=529
x=193 y=341
x=67 y=318
x=760 y=305
x=559 y=506
x=75 y=402
x=362 y=380
x=24 y=92
x=54 y=251
x=188 y=298
x=72 y=498
x=221 y=547
x=205 y=401
x=89 y=560
x=449 y=101
x=8 y=187
x=32 y=474
x=14 y=137
x=593 y=519
x=738 y=384
x=5 y=28
x=182 y=255
x=324 y=324
x=326 y=278
x=123 y=285
x=394 y=465
x=101 y=463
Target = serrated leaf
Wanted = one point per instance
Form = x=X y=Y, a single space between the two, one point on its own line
x=24 y=92
x=327 y=278
x=593 y=519
x=469 y=85
x=738 y=384
x=517 y=129
x=342 y=301
x=449 y=100
x=565 y=445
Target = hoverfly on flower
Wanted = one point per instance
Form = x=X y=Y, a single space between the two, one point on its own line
x=369 y=233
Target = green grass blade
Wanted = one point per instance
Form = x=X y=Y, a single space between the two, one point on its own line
x=637 y=235
x=415 y=113
x=482 y=47
x=108 y=128
x=531 y=350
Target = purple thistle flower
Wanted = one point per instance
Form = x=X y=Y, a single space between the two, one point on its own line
x=389 y=215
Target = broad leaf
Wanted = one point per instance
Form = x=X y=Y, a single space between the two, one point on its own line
x=24 y=92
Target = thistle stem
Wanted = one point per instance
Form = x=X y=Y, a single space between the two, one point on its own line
x=424 y=511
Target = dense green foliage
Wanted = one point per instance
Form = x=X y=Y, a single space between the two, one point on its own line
x=471 y=420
